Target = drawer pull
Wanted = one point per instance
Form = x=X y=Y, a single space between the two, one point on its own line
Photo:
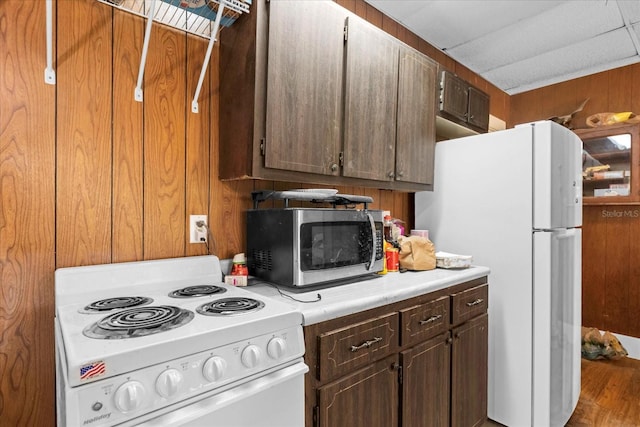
x=365 y=344
x=431 y=319
x=476 y=302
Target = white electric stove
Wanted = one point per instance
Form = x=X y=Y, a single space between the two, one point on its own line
x=165 y=342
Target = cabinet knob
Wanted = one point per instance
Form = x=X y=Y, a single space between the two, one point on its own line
x=334 y=167
x=391 y=174
x=400 y=173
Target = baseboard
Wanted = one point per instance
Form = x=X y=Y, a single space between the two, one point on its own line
x=631 y=344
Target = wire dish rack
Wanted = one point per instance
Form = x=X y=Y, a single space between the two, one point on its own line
x=200 y=17
x=193 y=16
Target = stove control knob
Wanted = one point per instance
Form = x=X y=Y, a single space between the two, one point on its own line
x=129 y=396
x=214 y=368
x=251 y=356
x=168 y=382
x=276 y=348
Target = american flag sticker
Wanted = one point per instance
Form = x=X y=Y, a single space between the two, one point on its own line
x=92 y=370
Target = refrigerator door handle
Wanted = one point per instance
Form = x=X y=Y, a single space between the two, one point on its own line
x=569 y=234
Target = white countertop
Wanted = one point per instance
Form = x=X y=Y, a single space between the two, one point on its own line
x=342 y=300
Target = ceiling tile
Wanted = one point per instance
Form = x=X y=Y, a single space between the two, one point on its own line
x=446 y=24
x=636 y=30
x=587 y=57
x=630 y=9
x=520 y=45
x=564 y=25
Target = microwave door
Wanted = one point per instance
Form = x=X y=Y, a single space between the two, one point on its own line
x=372 y=260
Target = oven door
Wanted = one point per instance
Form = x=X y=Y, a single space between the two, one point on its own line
x=273 y=400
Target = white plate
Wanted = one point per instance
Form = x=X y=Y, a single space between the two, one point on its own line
x=325 y=191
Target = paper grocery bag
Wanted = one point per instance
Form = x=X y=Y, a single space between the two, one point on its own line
x=417 y=253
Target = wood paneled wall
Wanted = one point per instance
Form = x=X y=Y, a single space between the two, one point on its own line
x=27 y=218
x=611 y=268
x=128 y=174
x=617 y=90
x=90 y=176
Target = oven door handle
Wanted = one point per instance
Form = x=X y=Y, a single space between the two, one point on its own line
x=196 y=410
x=373 y=241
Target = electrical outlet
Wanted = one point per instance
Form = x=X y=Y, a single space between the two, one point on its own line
x=198 y=225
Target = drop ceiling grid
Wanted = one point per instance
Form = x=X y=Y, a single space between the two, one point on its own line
x=613 y=48
x=521 y=45
x=538 y=35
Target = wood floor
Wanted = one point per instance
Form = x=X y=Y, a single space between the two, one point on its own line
x=609 y=397
x=610 y=394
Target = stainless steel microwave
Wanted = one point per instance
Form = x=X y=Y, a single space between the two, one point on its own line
x=309 y=246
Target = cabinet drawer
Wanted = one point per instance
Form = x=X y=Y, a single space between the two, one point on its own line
x=468 y=304
x=423 y=321
x=343 y=350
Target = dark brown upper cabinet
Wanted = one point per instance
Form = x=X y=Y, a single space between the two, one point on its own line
x=312 y=93
x=371 y=91
x=416 y=128
x=463 y=103
x=304 y=87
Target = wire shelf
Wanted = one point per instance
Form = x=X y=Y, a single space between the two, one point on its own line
x=193 y=16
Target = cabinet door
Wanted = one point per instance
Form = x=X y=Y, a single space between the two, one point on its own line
x=478 y=113
x=425 y=383
x=368 y=397
x=454 y=97
x=469 y=373
x=304 y=86
x=416 y=123
x=371 y=90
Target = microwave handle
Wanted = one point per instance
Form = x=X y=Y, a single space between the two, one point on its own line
x=373 y=241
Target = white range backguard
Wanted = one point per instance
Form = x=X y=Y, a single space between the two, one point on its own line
x=513 y=199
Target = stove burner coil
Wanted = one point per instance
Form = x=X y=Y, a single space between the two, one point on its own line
x=230 y=306
x=197 y=291
x=138 y=322
x=117 y=303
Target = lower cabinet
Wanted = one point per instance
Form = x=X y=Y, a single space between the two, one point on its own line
x=469 y=373
x=367 y=397
x=426 y=383
x=415 y=363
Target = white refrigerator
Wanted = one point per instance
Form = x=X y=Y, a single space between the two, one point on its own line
x=513 y=200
